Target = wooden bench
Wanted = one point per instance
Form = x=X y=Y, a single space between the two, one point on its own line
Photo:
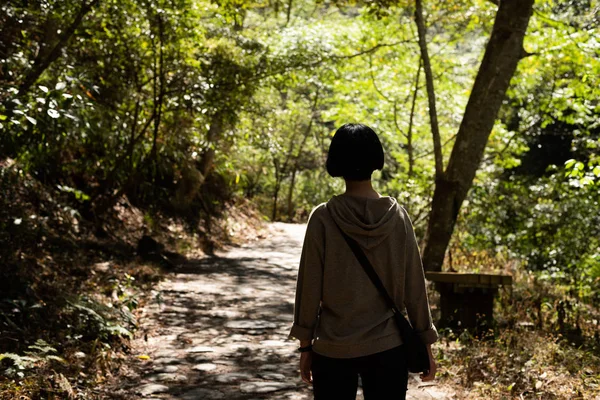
x=467 y=300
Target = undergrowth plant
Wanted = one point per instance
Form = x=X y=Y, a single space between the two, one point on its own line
x=38 y=353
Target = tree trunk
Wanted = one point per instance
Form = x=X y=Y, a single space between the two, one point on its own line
x=435 y=129
x=208 y=157
x=276 y=191
x=275 y=199
x=158 y=91
x=289 y=12
x=290 y=199
x=502 y=54
x=409 y=135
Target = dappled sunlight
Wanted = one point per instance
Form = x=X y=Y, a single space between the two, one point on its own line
x=220 y=329
x=159 y=160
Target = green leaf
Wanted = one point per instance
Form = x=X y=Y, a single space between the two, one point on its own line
x=117 y=330
x=53 y=113
x=570 y=163
x=9 y=356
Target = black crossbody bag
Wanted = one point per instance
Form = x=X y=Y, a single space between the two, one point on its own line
x=417 y=356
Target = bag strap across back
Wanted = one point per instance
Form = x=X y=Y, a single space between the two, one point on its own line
x=368 y=267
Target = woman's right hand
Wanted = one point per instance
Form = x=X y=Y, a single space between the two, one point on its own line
x=305 y=366
x=432 y=367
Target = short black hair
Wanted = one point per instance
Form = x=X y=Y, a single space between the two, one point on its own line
x=354 y=153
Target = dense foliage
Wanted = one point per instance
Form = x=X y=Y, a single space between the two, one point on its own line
x=181 y=105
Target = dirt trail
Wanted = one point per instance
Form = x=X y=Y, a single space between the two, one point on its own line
x=220 y=329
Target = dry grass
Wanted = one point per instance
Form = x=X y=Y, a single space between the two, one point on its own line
x=518 y=364
x=545 y=345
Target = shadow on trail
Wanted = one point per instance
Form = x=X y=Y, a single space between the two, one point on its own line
x=219 y=328
x=239 y=267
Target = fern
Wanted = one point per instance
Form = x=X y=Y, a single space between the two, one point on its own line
x=92 y=313
x=20 y=362
x=38 y=352
x=42 y=347
x=56 y=358
x=117 y=330
x=105 y=328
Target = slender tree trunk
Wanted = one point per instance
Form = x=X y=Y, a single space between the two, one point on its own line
x=135 y=137
x=276 y=191
x=109 y=201
x=42 y=61
x=435 y=130
x=290 y=198
x=275 y=199
x=214 y=133
x=304 y=139
x=131 y=146
x=159 y=90
x=281 y=171
x=502 y=54
x=295 y=166
x=238 y=20
x=289 y=12
x=250 y=191
x=409 y=136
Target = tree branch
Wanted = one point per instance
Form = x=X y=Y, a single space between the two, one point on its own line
x=41 y=63
x=373 y=80
x=307 y=65
x=427 y=153
x=371 y=50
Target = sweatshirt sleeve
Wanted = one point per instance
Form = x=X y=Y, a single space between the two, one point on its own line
x=310 y=281
x=415 y=291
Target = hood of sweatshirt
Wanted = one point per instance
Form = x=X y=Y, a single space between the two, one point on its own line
x=368 y=221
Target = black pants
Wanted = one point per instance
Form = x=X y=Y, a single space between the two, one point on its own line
x=384 y=376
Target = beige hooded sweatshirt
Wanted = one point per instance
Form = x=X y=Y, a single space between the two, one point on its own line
x=336 y=303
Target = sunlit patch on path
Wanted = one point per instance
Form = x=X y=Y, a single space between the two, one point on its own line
x=220 y=329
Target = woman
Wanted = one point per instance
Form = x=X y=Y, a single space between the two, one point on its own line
x=341 y=319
